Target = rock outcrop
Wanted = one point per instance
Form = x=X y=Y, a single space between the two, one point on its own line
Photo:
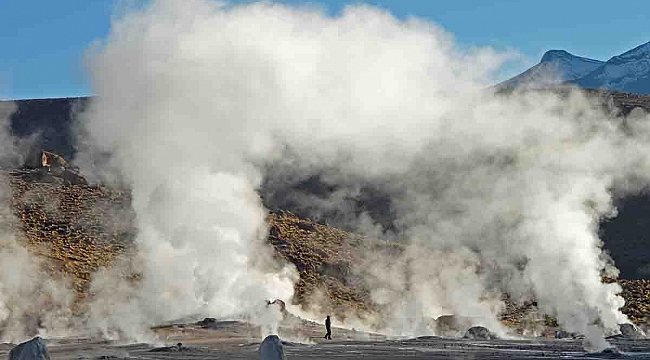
x=77 y=229
x=479 y=333
x=562 y=334
x=174 y=348
x=272 y=349
x=50 y=167
x=630 y=331
x=34 y=349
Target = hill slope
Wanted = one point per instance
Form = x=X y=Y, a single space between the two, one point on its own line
x=555 y=67
x=49 y=124
x=67 y=225
x=628 y=72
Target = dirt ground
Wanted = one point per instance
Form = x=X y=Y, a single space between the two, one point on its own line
x=237 y=340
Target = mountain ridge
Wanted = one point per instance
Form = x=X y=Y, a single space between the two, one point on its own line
x=555 y=68
x=628 y=72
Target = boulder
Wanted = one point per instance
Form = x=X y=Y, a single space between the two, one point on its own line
x=175 y=348
x=608 y=353
x=38 y=158
x=70 y=176
x=279 y=303
x=52 y=160
x=34 y=349
x=272 y=349
x=50 y=164
x=207 y=322
x=214 y=324
x=562 y=334
x=630 y=331
x=479 y=333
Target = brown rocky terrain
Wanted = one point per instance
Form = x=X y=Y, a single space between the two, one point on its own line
x=74 y=227
x=324 y=255
x=78 y=228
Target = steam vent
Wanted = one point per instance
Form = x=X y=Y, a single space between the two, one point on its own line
x=73 y=227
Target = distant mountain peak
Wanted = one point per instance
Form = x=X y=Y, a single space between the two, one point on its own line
x=563 y=55
x=555 y=54
x=555 y=67
x=627 y=72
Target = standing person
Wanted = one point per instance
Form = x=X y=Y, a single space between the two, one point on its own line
x=328 y=327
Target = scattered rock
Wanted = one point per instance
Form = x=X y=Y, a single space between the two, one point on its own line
x=78 y=229
x=38 y=158
x=307 y=226
x=176 y=348
x=53 y=167
x=214 y=324
x=630 y=331
x=207 y=322
x=427 y=338
x=608 y=353
x=562 y=334
x=272 y=349
x=70 y=176
x=611 y=350
x=34 y=349
x=479 y=333
x=321 y=254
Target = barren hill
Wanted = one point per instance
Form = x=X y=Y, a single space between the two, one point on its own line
x=76 y=228
x=80 y=228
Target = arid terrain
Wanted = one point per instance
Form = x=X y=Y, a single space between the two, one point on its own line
x=235 y=340
x=79 y=228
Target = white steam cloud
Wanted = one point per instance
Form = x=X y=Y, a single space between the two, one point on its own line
x=31 y=300
x=491 y=193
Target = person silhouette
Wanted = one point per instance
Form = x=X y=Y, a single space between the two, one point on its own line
x=328 y=327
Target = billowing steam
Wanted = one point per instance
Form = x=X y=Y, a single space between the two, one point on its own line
x=490 y=194
x=31 y=301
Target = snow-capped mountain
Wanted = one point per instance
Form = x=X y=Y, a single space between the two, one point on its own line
x=556 y=67
x=628 y=72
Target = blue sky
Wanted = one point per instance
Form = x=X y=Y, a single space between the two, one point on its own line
x=42 y=42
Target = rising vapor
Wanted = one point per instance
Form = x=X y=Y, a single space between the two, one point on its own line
x=490 y=193
x=31 y=300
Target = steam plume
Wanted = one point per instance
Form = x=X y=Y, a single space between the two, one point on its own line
x=491 y=194
x=31 y=301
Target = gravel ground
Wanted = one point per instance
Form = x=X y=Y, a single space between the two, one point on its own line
x=236 y=340
x=430 y=348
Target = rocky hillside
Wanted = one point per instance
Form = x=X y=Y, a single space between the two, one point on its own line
x=74 y=227
x=77 y=229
